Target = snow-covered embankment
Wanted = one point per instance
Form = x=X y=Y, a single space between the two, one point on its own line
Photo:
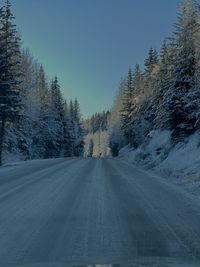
x=180 y=162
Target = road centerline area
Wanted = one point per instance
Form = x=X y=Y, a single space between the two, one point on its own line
x=83 y=211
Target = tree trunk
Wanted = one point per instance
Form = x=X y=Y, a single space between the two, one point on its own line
x=2 y=132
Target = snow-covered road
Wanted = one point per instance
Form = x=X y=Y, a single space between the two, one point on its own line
x=92 y=210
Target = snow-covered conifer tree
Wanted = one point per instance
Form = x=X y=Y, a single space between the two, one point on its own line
x=10 y=73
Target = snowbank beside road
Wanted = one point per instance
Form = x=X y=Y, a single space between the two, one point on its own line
x=180 y=162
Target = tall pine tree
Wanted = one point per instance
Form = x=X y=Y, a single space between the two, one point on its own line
x=10 y=74
x=127 y=110
x=180 y=99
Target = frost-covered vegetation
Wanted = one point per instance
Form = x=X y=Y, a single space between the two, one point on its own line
x=96 y=135
x=155 y=119
x=35 y=120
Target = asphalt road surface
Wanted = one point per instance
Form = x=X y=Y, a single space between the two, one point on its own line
x=82 y=211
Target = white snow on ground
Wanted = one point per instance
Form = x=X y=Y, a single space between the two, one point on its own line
x=152 y=152
x=180 y=163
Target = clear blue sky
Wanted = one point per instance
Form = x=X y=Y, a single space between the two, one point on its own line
x=89 y=44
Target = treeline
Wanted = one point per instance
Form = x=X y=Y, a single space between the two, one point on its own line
x=166 y=94
x=35 y=120
x=96 y=128
x=97 y=122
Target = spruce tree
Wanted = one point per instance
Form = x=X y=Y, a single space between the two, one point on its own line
x=181 y=97
x=127 y=110
x=151 y=61
x=41 y=138
x=57 y=105
x=150 y=64
x=57 y=99
x=76 y=113
x=164 y=81
x=10 y=74
x=79 y=144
